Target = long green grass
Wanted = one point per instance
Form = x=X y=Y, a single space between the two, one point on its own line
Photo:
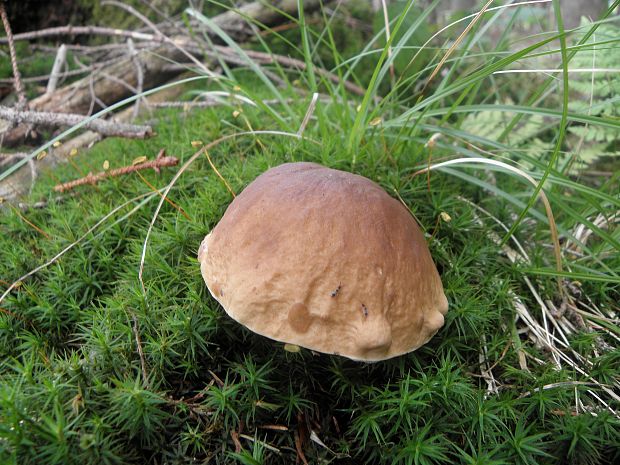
x=100 y=363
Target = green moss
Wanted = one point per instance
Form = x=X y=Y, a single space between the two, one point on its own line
x=72 y=386
x=73 y=389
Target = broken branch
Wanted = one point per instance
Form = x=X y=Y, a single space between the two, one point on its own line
x=54 y=120
x=80 y=30
x=56 y=69
x=159 y=162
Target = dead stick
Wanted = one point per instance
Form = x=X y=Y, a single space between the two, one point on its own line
x=159 y=162
x=73 y=72
x=231 y=55
x=45 y=77
x=139 y=75
x=92 y=49
x=54 y=120
x=131 y=10
x=81 y=30
x=58 y=64
x=19 y=88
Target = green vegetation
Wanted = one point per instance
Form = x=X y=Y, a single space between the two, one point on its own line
x=602 y=92
x=521 y=372
x=37 y=64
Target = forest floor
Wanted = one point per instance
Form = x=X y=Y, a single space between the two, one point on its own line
x=113 y=351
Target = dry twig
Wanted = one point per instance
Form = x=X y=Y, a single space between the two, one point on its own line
x=61 y=56
x=158 y=50
x=45 y=77
x=161 y=161
x=54 y=120
x=158 y=34
x=139 y=73
x=79 y=30
x=43 y=203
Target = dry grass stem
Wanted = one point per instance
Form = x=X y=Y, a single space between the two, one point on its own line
x=263 y=443
x=541 y=333
x=309 y=113
x=219 y=175
x=154 y=189
x=456 y=43
x=135 y=327
x=30 y=223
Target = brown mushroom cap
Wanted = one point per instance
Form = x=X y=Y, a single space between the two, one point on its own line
x=326 y=260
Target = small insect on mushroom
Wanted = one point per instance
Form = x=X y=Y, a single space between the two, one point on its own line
x=335 y=292
x=365 y=311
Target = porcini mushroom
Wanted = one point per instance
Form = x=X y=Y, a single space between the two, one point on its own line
x=326 y=260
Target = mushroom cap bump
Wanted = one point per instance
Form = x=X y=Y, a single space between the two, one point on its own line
x=326 y=260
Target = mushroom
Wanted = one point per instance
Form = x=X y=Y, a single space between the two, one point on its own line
x=326 y=260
